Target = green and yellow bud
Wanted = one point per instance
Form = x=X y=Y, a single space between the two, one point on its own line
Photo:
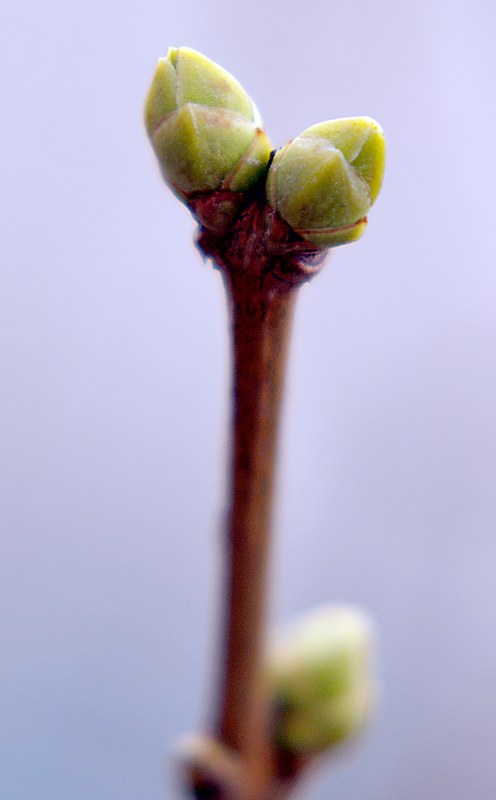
x=321 y=679
x=204 y=127
x=324 y=182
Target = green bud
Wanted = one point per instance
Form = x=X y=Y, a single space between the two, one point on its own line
x=204 y=127
x=324 y=182
x=321 y=679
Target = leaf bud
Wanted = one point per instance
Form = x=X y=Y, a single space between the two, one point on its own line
x=324 y=182
x=321 y=679
x=204 y=128
x=206 y=765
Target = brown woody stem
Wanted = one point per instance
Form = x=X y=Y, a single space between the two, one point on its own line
x=261 y=322
x=263 y=264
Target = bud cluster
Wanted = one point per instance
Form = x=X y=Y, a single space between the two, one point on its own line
x=213 y=151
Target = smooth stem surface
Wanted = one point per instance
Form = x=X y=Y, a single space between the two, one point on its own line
x=263 y=263
x=261 y=321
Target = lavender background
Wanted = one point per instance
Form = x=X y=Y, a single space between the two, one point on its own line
x=114 y=394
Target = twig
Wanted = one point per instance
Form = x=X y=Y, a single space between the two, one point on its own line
x=261 y=282
x=267 y=217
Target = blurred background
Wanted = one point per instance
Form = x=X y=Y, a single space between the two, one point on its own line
x=114 y=402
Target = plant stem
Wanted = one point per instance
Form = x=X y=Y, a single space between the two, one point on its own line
x=263 y=264
x=260 y=321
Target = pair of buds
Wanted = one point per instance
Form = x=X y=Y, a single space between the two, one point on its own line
x=208 y=137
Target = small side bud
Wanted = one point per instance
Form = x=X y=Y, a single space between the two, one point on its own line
x=324 y=182
x=207 y=768
x=321 y=679
x=204 y=127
